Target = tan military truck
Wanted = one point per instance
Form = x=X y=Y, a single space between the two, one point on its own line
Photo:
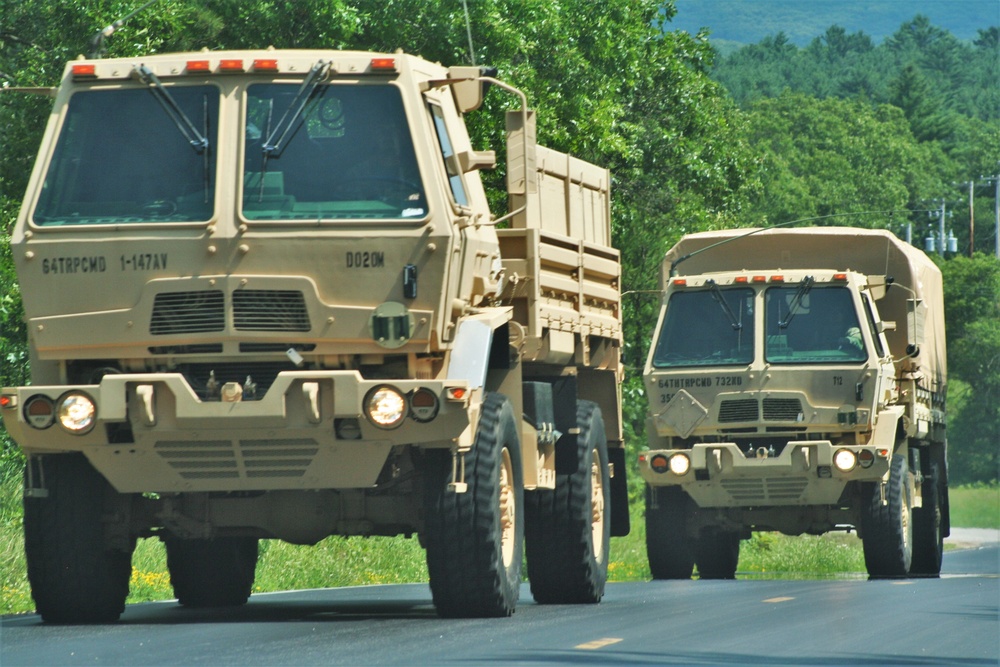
x=796 y=383
x=267 y=299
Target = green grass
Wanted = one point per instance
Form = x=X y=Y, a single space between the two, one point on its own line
x=338 y=561
x=975 y=506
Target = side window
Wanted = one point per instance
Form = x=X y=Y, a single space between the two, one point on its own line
x=871 y=326
x=448 y=153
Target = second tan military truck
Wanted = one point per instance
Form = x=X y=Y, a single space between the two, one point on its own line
x=267 y=298
x=796 y=383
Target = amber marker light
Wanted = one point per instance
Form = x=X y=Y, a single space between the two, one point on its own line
x=840 y=276
x=231 y=65
x=778 y=279
x=84 y=71
x=198 y=67
x=265 y=65
x=680 y=282
x=455 y=393
x=384 y=64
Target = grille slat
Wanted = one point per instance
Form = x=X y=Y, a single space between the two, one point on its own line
x=188 y=312
x=246 y=459
x=755 y=491
x=782 y=409
x=740 y=410
x=270 y=310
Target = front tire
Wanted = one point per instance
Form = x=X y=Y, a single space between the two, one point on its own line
x=75 y=577
x=475 y=539
x=888 y=528
x=212 y=573
x=568 y=528
x=669 y=549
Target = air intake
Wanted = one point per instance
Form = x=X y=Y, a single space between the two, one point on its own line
x=782 y=409
x=270 y=310
x=742 y=410
x=188 y=312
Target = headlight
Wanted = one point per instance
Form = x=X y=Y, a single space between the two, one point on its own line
x=385 y=407
x=845 y=460
x=679 y=464
x=76 y=412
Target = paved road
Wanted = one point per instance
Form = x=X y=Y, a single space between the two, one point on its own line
x=953 y=620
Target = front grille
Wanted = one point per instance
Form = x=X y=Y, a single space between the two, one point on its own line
x=742 y=410
x=188 y=312
x=764 y=491
x=782 y=409
x=270 y=310
x=242 y=459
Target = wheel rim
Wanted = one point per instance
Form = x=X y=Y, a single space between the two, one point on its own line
x=508 y=508
x=597 y=506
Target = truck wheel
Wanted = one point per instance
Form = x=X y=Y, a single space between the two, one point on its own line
x=568 y=532
x=717 y=554
x=928 y=538
x=74 y=576
x=474 y=539
x=212 y=573
x=888 y=529
x=668 y=547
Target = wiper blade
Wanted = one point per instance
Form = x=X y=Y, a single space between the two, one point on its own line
x=294 y=111
x=198 y=141
x=793 y=307
x=721 y=300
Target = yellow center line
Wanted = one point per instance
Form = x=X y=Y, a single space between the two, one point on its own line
x=778 y=599
x=598 y=643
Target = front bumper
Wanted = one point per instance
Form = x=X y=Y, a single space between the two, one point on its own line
x=154 y=434
x=721 y=475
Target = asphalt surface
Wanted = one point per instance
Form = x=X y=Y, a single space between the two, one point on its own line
x=951 y=620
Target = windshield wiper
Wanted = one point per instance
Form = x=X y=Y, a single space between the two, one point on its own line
x=298 y=103
x=721 y=300
x=793 y=307
x=198 y=141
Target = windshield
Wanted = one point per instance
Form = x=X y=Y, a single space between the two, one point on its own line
x=345 y=154
x=816 y=325
x=711 y=327
x=121 y=158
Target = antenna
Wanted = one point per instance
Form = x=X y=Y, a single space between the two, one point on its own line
x=97 y=41
x=468 y=30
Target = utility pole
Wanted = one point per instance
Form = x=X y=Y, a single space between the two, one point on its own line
x=972 y=220
x=996 y=210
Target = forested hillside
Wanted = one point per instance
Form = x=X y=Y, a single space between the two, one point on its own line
x=841 y=131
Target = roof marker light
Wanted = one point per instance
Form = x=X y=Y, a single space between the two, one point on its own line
x=760 y=279
x=740 y=279
x=231 y=65
x=198 y=67
x=265 y=65
x=840 y=276
x=84 y=70
x=384 y=64
x=777 y=279
x=680 y=282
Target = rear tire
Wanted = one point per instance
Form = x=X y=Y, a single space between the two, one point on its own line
x=568 y=530
x=668 y=548
x=928 y=535
x=212 y=573
x=475 y=539
x=717 y=554
x=888 y=529
x=75 y=577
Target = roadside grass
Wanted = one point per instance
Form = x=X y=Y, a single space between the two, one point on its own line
x=975 y=506
x=339 y=561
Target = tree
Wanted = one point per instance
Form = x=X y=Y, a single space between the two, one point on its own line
x=972 y=321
